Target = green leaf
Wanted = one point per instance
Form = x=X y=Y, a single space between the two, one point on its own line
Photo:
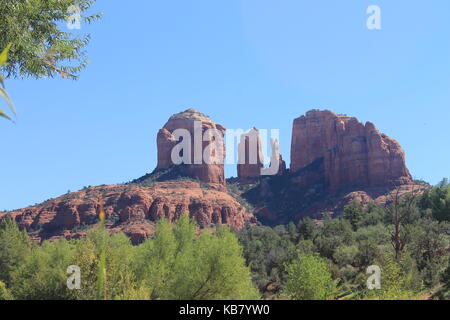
x=4 y=54
x=3 y=93
x=4 y=115
x=8 y=100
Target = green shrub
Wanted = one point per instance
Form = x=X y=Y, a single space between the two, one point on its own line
x=309 y=278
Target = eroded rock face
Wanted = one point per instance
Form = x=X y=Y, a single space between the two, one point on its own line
x=132 y=209
x=334 y=159
x=250 y=156
x=198 y=126
x=353 y=154
x=282 y=166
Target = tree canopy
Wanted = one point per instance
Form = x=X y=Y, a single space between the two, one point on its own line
x=42 y=43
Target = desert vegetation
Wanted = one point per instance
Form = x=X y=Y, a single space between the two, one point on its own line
x=308 y=260
x=283 y=257
x=177 y=263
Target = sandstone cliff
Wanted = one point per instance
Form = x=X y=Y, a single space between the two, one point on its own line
x=197 y=125
x=353 y=154
x=250 y=165
x=334 y=159
x=130 y=208
x=250 y=156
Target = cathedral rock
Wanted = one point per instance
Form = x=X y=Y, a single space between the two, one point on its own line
x=198 y=125
x=352 y=154
x=334 y=159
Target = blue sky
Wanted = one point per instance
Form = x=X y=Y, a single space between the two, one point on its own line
x=244 y=63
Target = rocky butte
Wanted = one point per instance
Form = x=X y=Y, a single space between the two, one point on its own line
x=169 y=192
x=334 y=159
x=353 y=154
x=187 y=120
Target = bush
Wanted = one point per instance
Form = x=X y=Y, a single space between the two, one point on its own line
x=309 y=278
x=4 y=293
x=376 y=233
x=396 y=281
x=177 y=264
x=43 y=275
x=345 y=255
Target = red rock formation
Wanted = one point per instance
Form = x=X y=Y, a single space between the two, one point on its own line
x=197 y=165
x=353 y=154
x=335 y=204
x=131 y=209
x=334 y=159
x=283 y=169
x=250 y=156
x=276 y=157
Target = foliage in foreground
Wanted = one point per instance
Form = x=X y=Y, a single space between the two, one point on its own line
x=175 y=264
x=309 y=278
x=362 y=237
x=307 y=260
x=3 y=93
x=43 y=45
